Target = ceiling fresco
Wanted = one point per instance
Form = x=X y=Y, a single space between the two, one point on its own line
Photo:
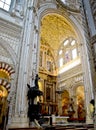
x=54 y=30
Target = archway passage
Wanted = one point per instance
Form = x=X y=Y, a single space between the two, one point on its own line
x=6 y=69
x=5 y=85
x=59 y=54
x=55 y=29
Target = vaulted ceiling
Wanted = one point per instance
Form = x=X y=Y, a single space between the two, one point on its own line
x=55 y=29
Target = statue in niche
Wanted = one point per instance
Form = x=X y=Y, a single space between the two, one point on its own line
x=36 y=81
x=34 y=107
x=92 y=108
x=71 y=110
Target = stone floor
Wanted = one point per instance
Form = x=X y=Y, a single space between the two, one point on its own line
x=65 y=127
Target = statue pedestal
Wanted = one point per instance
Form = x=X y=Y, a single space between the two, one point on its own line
x=33 y=105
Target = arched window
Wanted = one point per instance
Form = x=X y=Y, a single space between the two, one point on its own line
x=61 y=62
x=60 y=52
x=66 y=42
x=67 y=56
x=68 y=51
x=74 y=53
x=5 y=4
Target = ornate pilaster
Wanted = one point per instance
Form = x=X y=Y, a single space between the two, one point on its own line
x=59 y=104
x=93 y=44
x=86 y=56
x=27 y=66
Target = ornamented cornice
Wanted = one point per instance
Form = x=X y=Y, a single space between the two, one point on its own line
x=7 y=67
x=10 y=29
x=70 y=82
x=5 y=84
x=69 y=7
x=93 y=39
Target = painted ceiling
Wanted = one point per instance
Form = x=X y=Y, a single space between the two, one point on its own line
x=55 y=29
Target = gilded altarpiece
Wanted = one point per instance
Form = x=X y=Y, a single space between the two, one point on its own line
x=48 y=91
x=49 y=97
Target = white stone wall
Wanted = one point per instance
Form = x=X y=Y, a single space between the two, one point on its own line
x=21 y=32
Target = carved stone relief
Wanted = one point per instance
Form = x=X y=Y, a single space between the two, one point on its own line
x=10 y=34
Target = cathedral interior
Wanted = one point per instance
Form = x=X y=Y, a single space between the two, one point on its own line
x=55 y=39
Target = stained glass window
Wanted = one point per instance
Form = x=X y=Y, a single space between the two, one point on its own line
x=66 y=42
x=67 y=56
x=73 y=43
x=68 y=51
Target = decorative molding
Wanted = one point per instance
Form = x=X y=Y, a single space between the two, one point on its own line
x=93 y=39
x=11 y=34
x=8 y=51
x=10 y=29
x=5 y=84
x=70 y=6
x=7 y=67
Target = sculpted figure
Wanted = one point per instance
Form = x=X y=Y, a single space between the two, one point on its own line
x=36 y=81
x=33 y=92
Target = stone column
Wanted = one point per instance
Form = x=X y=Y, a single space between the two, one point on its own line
x=91 y=25
x=59 y=104
x=86 y=56
x=20 y=118
x=12 y=98
x=87 y=81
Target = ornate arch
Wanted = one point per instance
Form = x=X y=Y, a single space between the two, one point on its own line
x=49 y=9
x=77 y=84
x=5 y=74
x=6 y=69
x=9 y=69
x=43 y=11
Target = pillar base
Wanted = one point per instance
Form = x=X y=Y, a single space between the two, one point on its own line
x=19 y=122
x=35 y=124
x=89 y=120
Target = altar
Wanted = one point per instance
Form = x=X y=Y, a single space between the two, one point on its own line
x=61 y=119
x=57 y=119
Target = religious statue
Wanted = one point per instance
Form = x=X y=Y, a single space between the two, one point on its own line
x=36 y=81
x=33 y=108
